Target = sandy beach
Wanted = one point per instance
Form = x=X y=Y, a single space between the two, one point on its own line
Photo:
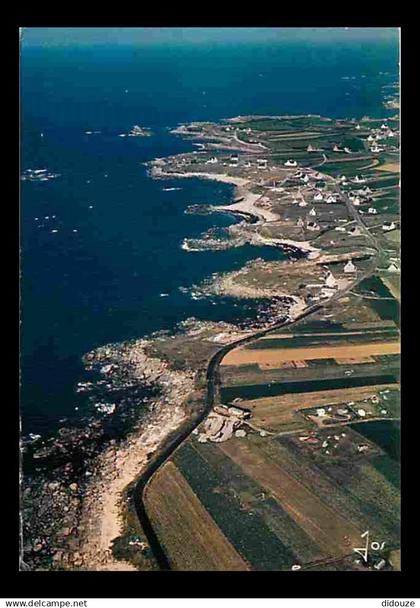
x=247 y=205
x=220 y=177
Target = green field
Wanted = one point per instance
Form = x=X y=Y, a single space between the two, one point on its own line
x=384 y=182
x=347 y=167
x=354 y=487
x=392 y=204
x=251 y=374
x=385 y=433
x=389 y=468
x=297 y=342
x=387 y=309
x=290 y=124
x=221 y=487
x=255 y=391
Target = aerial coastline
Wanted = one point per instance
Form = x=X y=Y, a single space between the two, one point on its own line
x=283 y=190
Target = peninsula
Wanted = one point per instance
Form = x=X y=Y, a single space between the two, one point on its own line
x=266 y=445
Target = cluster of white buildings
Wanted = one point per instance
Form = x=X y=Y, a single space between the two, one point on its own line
x=381 y=134
x=388 y=226
x=338 y=149
x=330 y=198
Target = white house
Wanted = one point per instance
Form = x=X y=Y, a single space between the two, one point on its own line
x=290 y=163
x=313 y=226
x=393 y=268
x=357 y=127
x=212 y=161
x=371 y=138
x=305 y=179
x=372 y=211
x=312 y=212
x=327 y=292
x=303 y=203
x=330 y=280
x=295 y=201
x=336 y=149
x=300 y=223
x=384 y=127
x=318 y=197
x=347 y=150
x=359 y=180
x=349 y=267
x=387 y=226
x=331 y=199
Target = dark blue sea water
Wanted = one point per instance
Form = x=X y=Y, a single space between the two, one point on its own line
x=103 y=283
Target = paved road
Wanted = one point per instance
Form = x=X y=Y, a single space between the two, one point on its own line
x=213 y=383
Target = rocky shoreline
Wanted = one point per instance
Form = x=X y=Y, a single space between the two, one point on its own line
x=70 y=477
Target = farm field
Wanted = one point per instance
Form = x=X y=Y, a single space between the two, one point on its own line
x=256 y=391
x=318 y=374
x=241 y=509
x=349 y=338
x=299 y=456
x=352 y=485
x=280 y=413
x=394 y=286
x=192 y=539
x=333 y=534
x=392 y=167
x=272 y=357
x=385 y=434
x=313 y=327
x=269 y=503
x=388 y=307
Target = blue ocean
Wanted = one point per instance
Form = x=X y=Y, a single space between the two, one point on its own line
x=102 y=242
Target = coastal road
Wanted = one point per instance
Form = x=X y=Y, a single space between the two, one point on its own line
x=213 y=382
